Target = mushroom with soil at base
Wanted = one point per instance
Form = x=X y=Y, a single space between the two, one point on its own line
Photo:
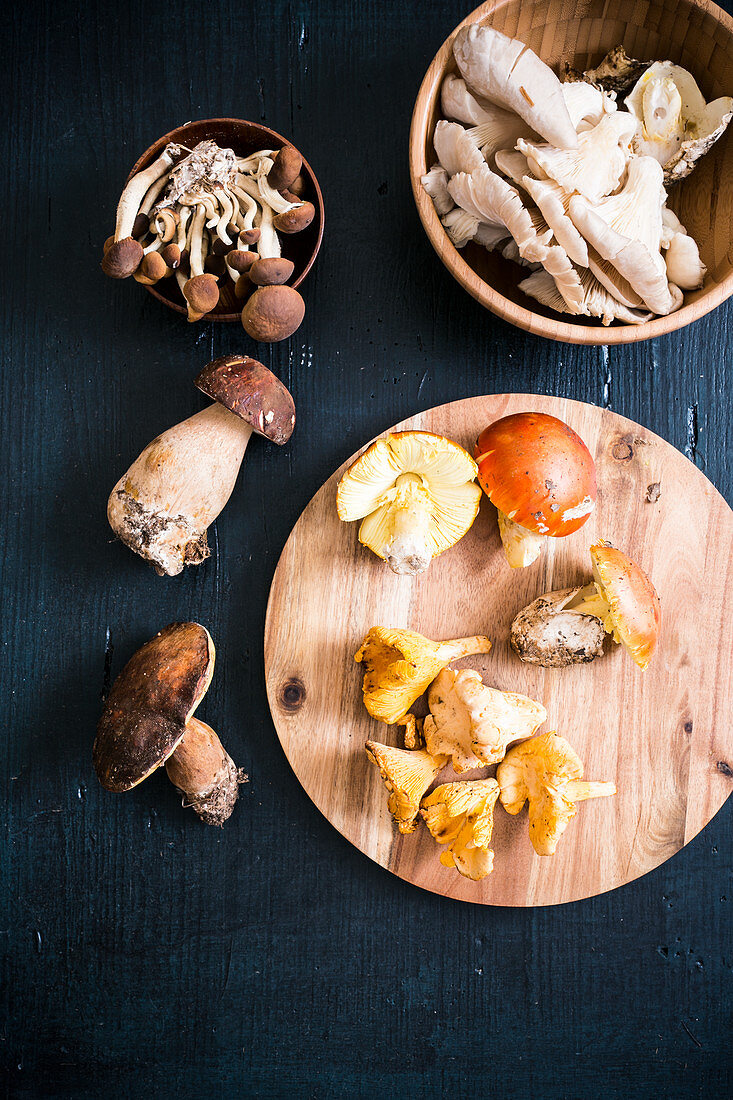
x=568 y=627
x=548 y=773
x=124 y=255
x=161 y=508
x=399 y=665
x=540 y=476
x=416 y=495
x=148 y=721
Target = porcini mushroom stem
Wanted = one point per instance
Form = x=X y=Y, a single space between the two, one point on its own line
x=205 y=774
x=161 y=508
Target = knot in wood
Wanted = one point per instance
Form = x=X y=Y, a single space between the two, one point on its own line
x=622 y=451
x=292 y=694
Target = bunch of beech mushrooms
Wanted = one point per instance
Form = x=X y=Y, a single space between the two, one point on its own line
x=569 y=181
x=204 y=214
x=416 y=495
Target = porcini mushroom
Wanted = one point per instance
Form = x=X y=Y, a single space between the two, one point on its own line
x=620 y=600
x=148 y=721
x=415 y=494
x=399 y=665
x=461 y=816
x=161 y=508
x=125 y=254
x=549 y=773
x=540 y=476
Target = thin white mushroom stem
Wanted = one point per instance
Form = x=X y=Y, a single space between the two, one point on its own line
x=162 y=506
x=181 y=235
x=199 y=198
x=195 y=241
x=227 y=208
x=251 y=163
x=268 y=245
x=273 y=198
x=250 y=206
x=153 y=193
x=136 y=190
x=155 y=245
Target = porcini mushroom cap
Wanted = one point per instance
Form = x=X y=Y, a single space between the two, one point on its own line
x=634 y=603
x=273 y=313
x=252 y=392
x=145 y=716
x=538 y=472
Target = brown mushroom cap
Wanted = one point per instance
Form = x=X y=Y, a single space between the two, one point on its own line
x=122 y=258
x=241 y=260
x=171 y=255
x=152 y=269
x=250 y=236
x=293 y=221
x=151 y=700
x=634 y=603
x=298 y=186
x=201 y=293
x=140 y=225
x=285 y=168
x=271 y=271
x=273 y=313
x=251 y=391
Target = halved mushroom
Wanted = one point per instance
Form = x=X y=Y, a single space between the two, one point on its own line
x=461 y=815
x=416 y=495
x=562 y=628
x=596 y=166
x=407 y=776
x=505 y=71
x=676 y=125
x=540 y=476
x=148 y=721
x=161 y=508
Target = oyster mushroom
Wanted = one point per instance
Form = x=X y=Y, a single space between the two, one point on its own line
x=473 y=723
x=461 y=816
x=552 y=201
x=407 y=776
x=596 y=301
x=505 y=71
x=148 y=721
x=586 y=103
x=435 y=183
x=161 y=508
x=676 y=125
x=460 y=227
x=455 y=150
x=125 y=254
x=682 y=256
x=399 y=665
x=557 y=629
x=540 y=476
x=548 y=773
x=416 y=495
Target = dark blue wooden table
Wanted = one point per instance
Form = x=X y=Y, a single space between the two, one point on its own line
x=144 y=954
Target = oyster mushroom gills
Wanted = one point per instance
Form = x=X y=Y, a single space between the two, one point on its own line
x=548 y=773
x=148 y=721
x=540 y=476
x=415 y=494
x=400 y=664
x=461 y=816
x=568 y=627
x=162 y=506
x=566 y=179
x=195 y=213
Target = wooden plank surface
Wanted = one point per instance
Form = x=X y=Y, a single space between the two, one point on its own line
x=665 y=737
x=142 y=953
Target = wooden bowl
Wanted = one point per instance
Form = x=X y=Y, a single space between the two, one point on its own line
x=693 y=33
x=244 y=138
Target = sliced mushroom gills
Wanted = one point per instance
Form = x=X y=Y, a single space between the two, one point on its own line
x=565 y=179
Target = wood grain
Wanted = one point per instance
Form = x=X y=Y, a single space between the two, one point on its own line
x=663 y=736
x=693 y=33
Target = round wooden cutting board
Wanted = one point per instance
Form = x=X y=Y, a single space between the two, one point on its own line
x=663 y=736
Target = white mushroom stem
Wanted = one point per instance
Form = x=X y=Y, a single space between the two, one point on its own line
x=227 y=208
x=521 y=546
x=268 y=245
x=407 y=551
x=185 y=214
x=200 y=199
x=136 y=190
x=153 y=193
x=251 y=163
x=155 y=245
x=261 y=191
x=195 y=242
x=249 y=204
x=162 y=507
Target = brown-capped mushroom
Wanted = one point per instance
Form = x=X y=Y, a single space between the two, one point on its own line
x=200 y=291
x=125 y=254
x=286 y=166
x=295 y=220
x=152 y=269
x=273 y=313
x=271 y=271
x=161 y=508
x=148 y=721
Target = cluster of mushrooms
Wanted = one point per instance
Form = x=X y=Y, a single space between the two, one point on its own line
x=416 y=495
x=567 y=180
x=204 y=214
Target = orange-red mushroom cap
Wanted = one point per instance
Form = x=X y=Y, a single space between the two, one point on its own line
x=537 y=471
x=634 y=603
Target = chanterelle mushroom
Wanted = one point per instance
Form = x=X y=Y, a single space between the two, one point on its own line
x=507 y=72
x=557 y=629
x=407 y=776
x=162 y=507
x=548 y=772
x=474 y=723
x=461 y=815
x=540 y=476
x=415 y=494
x=399 y=665
x=148 y=721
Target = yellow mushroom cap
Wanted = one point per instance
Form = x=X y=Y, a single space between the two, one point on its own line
x=634 y=604
x=461 y=815
x=548 y=772
x=416 y=495
x=400 y=664
x=407 y=776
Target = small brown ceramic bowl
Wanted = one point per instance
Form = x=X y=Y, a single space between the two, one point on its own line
x=244 y=138
x=693 y=33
